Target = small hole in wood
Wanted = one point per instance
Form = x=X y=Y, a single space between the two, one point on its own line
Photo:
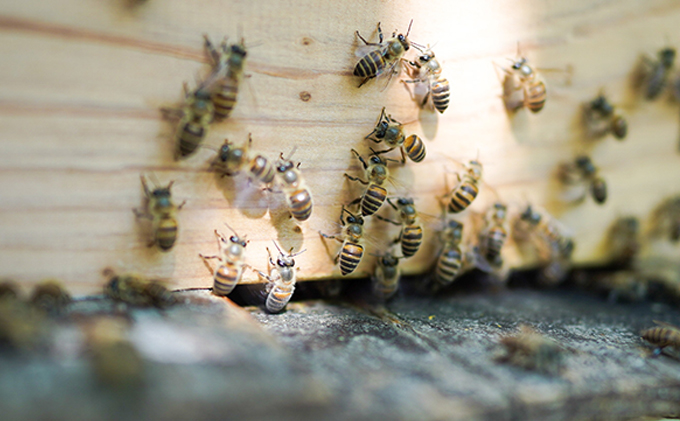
x=305 y=96
x=306 y=41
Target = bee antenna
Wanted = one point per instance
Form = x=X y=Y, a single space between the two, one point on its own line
x=279 y=248
x=418 y=46
x=296 y=254
x=290 y=155
x=232 y=230
x=518 y=51
x=409 y=28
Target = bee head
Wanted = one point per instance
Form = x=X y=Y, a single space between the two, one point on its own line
x=239 y=50
x=530 y=216
x=667 y=56
x=381 y=131
x=283 y=166
x=402 y=201
x=519 y=63
x=475 y=169
x=389 y=260
x=585 y=164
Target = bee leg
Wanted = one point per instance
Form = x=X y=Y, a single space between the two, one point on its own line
x=205 y=262
x=355 y=179
x=657 y=352
x=140 y=214
x=181 y=205
x=365 y=80
x=151 y=243
x=211 y=50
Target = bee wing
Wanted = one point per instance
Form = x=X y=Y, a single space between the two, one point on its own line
x=364 y=49
x=669 y=325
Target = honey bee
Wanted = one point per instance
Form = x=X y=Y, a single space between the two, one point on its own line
x=601 y=118
x=494 y=236
x=467 y=189
x=385 y=56
x=450 y=259
x=194 y=119
x=228 y=273
x=624 y=241
x=582 y=170
x=23 y=327
x=385 y=279
x=522 y=76
x=51 y=297
x=411 y=235
x=163 y=214
x=115 y=360
x=658 y=72
x=8 y=289
x=427 y=70
x=667 y=219
x=281 y=279
x=137 y=291
x=533 y=351
x=227 y=74
x=352 y=249
x=232 y=159
x=662 y=336
x=375 y=194
x=391 y=131
x=298 y=196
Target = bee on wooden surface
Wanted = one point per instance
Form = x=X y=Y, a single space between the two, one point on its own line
x=116 y=362
x=298 y=196
x=224 y=82
x=391 y=131
x=667 y=219
x=384 y=56
x=450 y=259
x=623 y=241
x=658 y=72
x=280 y=280
x=232 y=159
x=163 y=214
x=427 y=70
x=494 y=236
x=136 y=290
x=51 y=297
x=228 y=273
x=411 y=235
x=521 y=76
x=194 y=119
x=467 y=189
x=352 y=239
x=386 y=275
x=582 y=170
x=533 y=351
x=8 y=289
x=601 y=118
x=377 y=175
x=662 y=336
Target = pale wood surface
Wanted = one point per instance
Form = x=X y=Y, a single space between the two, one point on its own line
x=81 y=84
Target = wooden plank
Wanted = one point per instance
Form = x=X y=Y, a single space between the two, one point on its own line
x=81 y=86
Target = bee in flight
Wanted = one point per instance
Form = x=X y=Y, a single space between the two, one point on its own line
x=232 y=159
x=137 y=291
x=467 y=189
x=385 y=55
x=163 y=214
x=582 y=170
x=280 y=280
x=601 y=118
x=352 y=239
x=298 y=196
x=222 y=85
x=411 y=235
x=391 y=131
x=658 y=72
x=450 y=258
x=385 y=279
x=427 y=70
x=377 y=175
x=494 y=236
x=521 y=76
x=662 y=336
x=194 y=119
x=227 y=274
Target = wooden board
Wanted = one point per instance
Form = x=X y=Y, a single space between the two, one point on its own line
x=81 y=84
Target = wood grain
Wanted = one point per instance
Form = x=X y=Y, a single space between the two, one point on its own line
x=81 y=84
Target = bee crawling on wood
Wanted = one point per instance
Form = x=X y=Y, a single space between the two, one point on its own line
x=666 y=219
x=223 y=84
x=467 y=188
x=533 y=351
x=227 y=274
x=383 y=55
x=194 y=118
x=51 y=297
x=522 y=77
x=411 y=234
x=163 y=214
x=280 y=280
x=232 y=159
x=298 y=196
x=136 y=290
x=386 y=276
x=352 y=239
x=451 y=257
x=428 y=71
x=494 y=236
x=657 y=72
x=391 y=131
x=9 y=290
x=662 y=336
x=601 y=117
x=583 y=171
x=377 y=175
x=624 y=240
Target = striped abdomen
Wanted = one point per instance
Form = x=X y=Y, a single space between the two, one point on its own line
x=166 y=233
x=300 y=204
x=190 y=136
x=411 y=239
x=278 y=298
x=226 y=277
x=386 y=281
x=662 y=336
x=415 y=148
x=619 y=127
x=494 y=242
x=448 y=265
x=462 y=196
x=657 y=82
x=440 y=92
x=370 y=64
x=535 y=95
x=350 y=256
x=372 y=199
x=224 y=97
x=261 y=169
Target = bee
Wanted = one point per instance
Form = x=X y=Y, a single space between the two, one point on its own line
x=427 y=70
x=298 y=196
x=228 y=273
x=391 y=131
x=227 y=74
x=467 y=189
x=352 y=249
x=386 y=55
x=232 y=159
x=659 y=71
x=281 y=279
x=533 y=351
x=9 y=290
x=583 y=170
x=624 y=241
x=493 y=238
x=23 y=327
x=116 y=362
x=411 y=235
x=522 y=76
x=667 y=219
x=163 y=214
x=51 y=297
x=385 y=279
x=662 y=336
x=137 y=291
x=375 y=194
x=450 y=258
x=601 y=118
x=194 y=119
